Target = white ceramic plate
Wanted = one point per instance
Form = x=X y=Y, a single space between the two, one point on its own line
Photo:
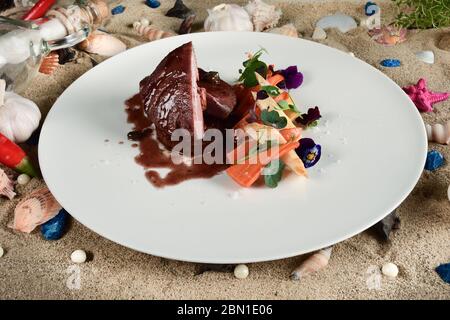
x=373 y=140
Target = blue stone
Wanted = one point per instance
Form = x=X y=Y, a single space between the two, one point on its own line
x=444 y=272
x=434 y=160
x=371 y=8
x=390 y=63
x=152 y=3
x=118 y=10
x=53 y=229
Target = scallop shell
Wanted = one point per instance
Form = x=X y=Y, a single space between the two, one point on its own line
x=39 y=207
x=151 y=33
x=263 y=15
x=102 y=44
x=288 y=30
x=388 y=35
x=312 y=264
x=439 y=133
x=228 y=17
x=49 y=63
x=6 y=186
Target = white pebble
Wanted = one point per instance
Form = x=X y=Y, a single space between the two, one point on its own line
x=78 y=256
x=2 y=252
x=351 y=54
x=319 y=34
x=145 y=22
x=241 y=271
x=389 y=269
x=23 y=179
x=448 y=193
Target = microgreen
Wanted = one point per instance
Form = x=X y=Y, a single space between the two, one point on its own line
x=271 y=90
x=273 y=172
x=272 y=118
x=253 y=65
x=284 y=105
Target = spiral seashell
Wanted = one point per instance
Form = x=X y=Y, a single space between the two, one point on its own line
x=439 y=133
x=286 y=30
x=151 y=33
x=49 y=63
x=312 y=264
x=263 y=15
x=6 y=186
x=39 y=207
x=228 y=17
x=102 y=44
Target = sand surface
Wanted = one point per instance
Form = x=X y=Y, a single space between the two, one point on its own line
x=38 y=269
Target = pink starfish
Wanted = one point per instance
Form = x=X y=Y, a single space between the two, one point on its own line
x=424 y=98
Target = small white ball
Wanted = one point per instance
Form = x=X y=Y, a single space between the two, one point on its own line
x=241 y=271
x=389 y=269
x=78 y=256
x=145 y=22
x=2 y=252
x=23 y=179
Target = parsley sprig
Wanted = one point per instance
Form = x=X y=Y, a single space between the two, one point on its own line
x=253 y=65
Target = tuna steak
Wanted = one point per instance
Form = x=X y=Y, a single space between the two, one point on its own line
x=171 y=97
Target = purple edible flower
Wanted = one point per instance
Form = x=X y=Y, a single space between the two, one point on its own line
x=309 y=152
x=292 y=78
x=306 y=119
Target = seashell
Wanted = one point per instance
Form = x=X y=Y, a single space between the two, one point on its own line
x=39 y=207
x=151 y=33
x=186 y=25
x=228 y=17
x=288 y=30
x=312 y=264
x=340 y=21
x=319 y=34
x=179 y=10
x=49 y=63
x=263 y=15
x=6 y=185
x=439 y=133
x=371 y=8
x=388 y=35
x=66 y=55
x=102 y=44
x=426 y=56
x=444 y=43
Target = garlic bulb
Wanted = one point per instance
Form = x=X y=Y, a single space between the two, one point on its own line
x=19 y=117
x=228 y=17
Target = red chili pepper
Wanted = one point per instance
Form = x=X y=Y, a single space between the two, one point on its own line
x=39 y=9
x=11 y=155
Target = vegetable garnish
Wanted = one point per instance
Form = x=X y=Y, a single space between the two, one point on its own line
x=272 y=118
x=273 y=172
x=253 y=65
x=309 y=119
x=292 y=77
x=12 y=156
x=271 y=90
x=284 y=105
x=309 y=152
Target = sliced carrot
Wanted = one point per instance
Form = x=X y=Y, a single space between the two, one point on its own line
x=246 y=174
x=275 y=79
x=291 y=134
x=282 y=96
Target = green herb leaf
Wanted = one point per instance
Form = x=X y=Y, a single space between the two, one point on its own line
x=273 y=172
x=283 y=105
x=271 y=90
x=272 y=118
x=253 y=65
